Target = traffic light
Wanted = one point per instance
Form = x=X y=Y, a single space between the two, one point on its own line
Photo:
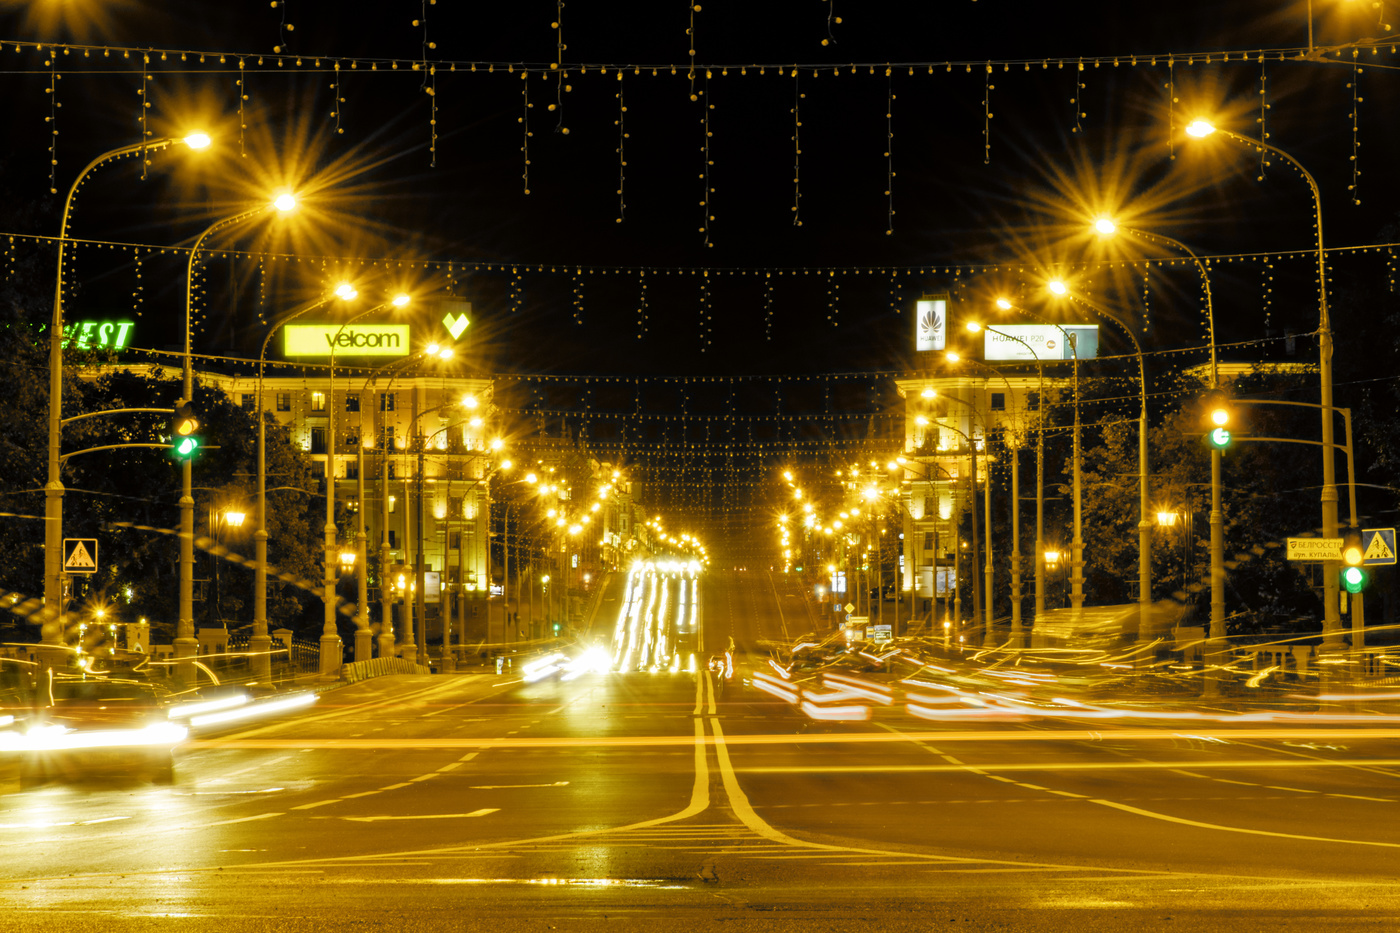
x=1218 y=415
x=1355 y=576
x=185 y=438
x=556 y=629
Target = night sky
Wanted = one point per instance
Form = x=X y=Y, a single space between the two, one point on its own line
x=1003 y=147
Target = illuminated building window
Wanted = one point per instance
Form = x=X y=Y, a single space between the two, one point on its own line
x=318 y=401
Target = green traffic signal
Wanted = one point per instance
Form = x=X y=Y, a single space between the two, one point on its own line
x=184 y=428
x=1218 y=415
x=1355 y=579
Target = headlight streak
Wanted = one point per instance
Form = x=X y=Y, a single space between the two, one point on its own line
x=50 y=738
x=836 y=713
x=540 y=668
x=254 y=710
x=778 y=688
x=200 y=707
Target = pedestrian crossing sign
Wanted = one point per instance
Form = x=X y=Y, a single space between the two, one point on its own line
x=1380 y=546
x=80 y=555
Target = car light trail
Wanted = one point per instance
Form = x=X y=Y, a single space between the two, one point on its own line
x=199 y=708
x=60 y=738
x=254 y=710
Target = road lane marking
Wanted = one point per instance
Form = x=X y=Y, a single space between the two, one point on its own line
x=321 y=803
x=1050 y=767
x=513 y=786
x=245 y=819
x=423 y=816
x=851 y=738
x=1150 y=814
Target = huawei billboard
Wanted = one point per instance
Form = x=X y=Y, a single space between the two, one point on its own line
x=1040 y=342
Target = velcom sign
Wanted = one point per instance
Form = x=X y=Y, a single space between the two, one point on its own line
x=354 y=340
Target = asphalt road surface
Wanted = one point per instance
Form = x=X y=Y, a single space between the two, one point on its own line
x=625 y=800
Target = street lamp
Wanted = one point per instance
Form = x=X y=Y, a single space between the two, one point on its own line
x=1107 y=227
x=331 y=647
x=260 y=643
x=52 y=628
x=386 y=622
x=1144 y=522
x=231 y=518
x=185 y=644
x=975 y=327
x=1331 y=624
x=1057 y=287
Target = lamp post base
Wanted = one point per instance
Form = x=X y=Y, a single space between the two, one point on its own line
x=260 y=662
x=185 y=650
x=364 y=644
x=332 y=654
x=386 y=646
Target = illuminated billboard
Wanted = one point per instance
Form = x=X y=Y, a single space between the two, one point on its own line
x=85 y=334
x=931 y=323
x=354 y=340
x=1040 y=342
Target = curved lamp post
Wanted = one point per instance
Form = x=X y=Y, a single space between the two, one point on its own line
x=1076 y=599
x=261 y=643
x=1107 y=227
x=1331 y=620
x=1145 y=514
x=331 y=647
x=387 y=647
x=52 y=629
x=185 y=644
x=974 y=327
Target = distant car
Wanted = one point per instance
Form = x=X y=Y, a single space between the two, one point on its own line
x=85 y=727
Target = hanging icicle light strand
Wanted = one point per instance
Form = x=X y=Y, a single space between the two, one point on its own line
x=796 y=149
x=889 y=153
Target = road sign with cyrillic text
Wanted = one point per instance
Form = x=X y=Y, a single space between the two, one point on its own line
x=1314 y=549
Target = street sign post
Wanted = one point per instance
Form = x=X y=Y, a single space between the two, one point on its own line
x=1379 y=544
x=1319 y=549
x=80 y=555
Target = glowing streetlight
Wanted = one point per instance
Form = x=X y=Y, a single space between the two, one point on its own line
x=346 y=292
x=198 y=140
x=285 y=202
x=1199 y=128
x=1057 y=287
